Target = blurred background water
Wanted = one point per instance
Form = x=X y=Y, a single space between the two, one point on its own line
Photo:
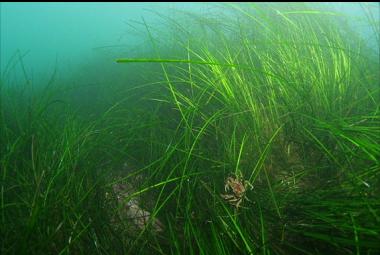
x=65 y=35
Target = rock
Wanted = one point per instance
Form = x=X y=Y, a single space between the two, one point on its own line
x=129 y=213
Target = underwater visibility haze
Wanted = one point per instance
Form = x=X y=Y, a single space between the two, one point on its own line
x=189 y=128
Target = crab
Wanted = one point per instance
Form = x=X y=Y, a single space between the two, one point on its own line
x=236 y=188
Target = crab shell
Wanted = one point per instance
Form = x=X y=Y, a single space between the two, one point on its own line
x=236 y=185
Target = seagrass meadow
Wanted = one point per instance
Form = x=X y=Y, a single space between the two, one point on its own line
x=252 y=130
